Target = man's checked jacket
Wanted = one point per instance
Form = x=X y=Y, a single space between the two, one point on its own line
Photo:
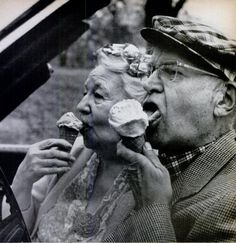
x=203 y=207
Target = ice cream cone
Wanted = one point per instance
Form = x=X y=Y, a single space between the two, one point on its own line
x=69 y=126
x=69 y=134
x=130 y=121
x=135 y=144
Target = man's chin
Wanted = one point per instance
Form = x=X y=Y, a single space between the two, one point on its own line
x=152 y=138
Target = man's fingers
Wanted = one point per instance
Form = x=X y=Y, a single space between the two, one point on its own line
x=54 y=142
x=150 y=154
x=131 y=156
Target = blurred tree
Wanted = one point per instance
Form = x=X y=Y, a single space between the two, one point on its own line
x=119 y=22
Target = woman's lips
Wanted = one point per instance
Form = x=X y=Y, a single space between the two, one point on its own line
x=84 y=128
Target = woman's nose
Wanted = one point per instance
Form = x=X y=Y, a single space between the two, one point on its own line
x=83 y=106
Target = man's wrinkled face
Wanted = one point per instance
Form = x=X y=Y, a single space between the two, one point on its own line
x=181 y=101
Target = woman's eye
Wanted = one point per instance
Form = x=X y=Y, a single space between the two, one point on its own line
x=98 y=96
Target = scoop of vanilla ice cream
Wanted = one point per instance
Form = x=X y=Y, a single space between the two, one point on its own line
x=70 y=120
x=128 y=118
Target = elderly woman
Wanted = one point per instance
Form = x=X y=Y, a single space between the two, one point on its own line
x=90 y=200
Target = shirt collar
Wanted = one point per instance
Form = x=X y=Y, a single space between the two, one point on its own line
x=175 y=164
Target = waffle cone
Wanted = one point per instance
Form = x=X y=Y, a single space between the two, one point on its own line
x=69 y=134
x=135 y=144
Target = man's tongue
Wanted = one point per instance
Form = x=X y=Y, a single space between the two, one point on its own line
x=153 y=116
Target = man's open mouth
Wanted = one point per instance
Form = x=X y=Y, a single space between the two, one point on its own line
x=152 y=111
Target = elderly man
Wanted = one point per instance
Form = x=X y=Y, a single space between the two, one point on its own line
x=189 y=190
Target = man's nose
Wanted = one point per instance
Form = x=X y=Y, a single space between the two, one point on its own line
x=83 y=106
x=153 y=84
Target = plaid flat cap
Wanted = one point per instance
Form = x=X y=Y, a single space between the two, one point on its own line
x=201 y=40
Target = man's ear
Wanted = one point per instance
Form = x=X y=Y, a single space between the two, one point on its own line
x=225 y=100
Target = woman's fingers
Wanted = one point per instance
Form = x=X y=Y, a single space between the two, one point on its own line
x=43 y=167
x=53 y=142
x=49 y=155
x=53 y=170
x=54 y=153
x=53 y=163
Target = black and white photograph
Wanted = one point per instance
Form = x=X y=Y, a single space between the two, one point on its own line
x=117 y=120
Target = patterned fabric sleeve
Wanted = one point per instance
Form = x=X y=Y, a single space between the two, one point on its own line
x=149 y=224
x=153 y=224
x=218 y=222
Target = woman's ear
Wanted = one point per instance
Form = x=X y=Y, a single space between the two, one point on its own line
x=225 y=100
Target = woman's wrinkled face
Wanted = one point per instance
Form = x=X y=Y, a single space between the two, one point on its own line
x=102 y=90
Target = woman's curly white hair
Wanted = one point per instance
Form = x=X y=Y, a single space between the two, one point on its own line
x=127 y=61
x=124 y=58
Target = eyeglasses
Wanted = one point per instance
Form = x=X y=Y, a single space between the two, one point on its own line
x=170 y=70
